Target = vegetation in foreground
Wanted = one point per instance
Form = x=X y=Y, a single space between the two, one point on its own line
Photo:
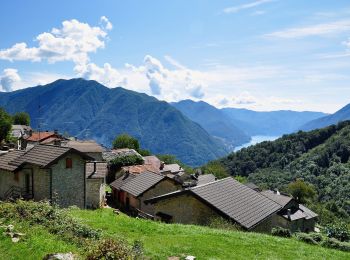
x=103 y=234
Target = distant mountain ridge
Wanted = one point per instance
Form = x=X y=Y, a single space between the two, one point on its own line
x=270 y=123
x=87 y=109
x=341 y=115
x=214 y=121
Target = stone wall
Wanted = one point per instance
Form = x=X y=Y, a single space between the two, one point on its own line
x=163 y=187
x=95 y=193
x=68 y=184
x=186 y=209
x=266 y=225
x=41 y=183
x=7 y=179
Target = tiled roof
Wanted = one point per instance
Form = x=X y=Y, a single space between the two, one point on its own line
x=173 y=168
x=205 y=178
x=308 y=212
x=44 y=155
x=8 y=157
x=281 y=199
x=122 y=180
x=101 y=170
x=141 y=183
x=86 y=146
x=39 y=136
x=152 y=160
x=137 y=169
x=232 y=199
x=252 y=186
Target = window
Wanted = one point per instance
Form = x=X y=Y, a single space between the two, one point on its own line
x=69 y=163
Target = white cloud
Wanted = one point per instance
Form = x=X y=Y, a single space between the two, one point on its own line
x=9 y=78
x=313 y=30
x=106 y=23
x=72 y=42
x=245 y=98
x=235 y=9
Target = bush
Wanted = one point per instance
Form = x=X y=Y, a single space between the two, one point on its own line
x=336 y=244
x=316 y=236
x=42 y=213
x=339 y=231
x=281 y=232
x=305 y=238
x=110 y=249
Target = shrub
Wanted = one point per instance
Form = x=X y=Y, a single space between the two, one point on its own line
x=42 y=213
x=281 y=232
x=221 y=223
x=336 y=244
x=137 y=249
x=316 y=236
x=110 y=249
x=339 y=231
x=305 y=238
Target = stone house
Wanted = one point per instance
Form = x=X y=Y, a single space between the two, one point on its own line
x=292 y=216
x=46 y=137
x=226 y=198
x=131 y=190
x=45 y=172
x=95 y=173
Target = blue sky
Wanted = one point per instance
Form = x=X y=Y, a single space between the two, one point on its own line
x=257 y=54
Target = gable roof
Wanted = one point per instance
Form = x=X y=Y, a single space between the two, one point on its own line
x=308 y=212
x=141 y=183
x=233 y=200
x=88 y=146
x=153 y=160
x=122 y=180
x=137 y=169
x=44 y=155
x=6 y=158
x=40 y=136
x=277 y=197
x=173 y=168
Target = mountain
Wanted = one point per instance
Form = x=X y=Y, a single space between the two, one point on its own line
x=87 y=109
x=341 y=115
x=319 y=157
x=214 y=121
x=273 y=123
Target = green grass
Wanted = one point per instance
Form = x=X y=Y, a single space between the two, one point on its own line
x=163 y=240
x=36 y=243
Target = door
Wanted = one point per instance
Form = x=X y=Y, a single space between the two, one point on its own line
x=27 y=189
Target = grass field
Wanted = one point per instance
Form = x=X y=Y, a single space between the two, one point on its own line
x=163 y=240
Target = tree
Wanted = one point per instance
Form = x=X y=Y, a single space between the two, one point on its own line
x=5 y=125
x=126 y=141
x=301 y=191
x=216 y=169
x=21 y=118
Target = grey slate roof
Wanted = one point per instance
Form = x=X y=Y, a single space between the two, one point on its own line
x=252 y=186
x=232 y=199
x=8 y=157
x=281 y=199
x=141 y=183
x=88 y=146
x=101 y=170
x=44 y=155
x=205 y=178
x=122 y=180
x=308 y=212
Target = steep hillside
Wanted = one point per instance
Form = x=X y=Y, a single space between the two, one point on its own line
x=273 y=123
x=320 y=157
x=87 y=109
x=341 y=115
x=214 y=121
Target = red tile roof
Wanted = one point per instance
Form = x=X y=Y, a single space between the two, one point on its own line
x=40 y=136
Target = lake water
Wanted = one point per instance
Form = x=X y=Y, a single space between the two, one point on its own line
x=257 y=139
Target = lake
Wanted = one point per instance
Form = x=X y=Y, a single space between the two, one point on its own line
x=255 y=140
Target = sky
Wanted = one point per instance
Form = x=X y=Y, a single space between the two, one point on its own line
x=257 y=54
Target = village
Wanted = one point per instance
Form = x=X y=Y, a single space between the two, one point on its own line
x=69 y=172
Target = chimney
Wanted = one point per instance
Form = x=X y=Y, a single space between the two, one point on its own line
x=161 y=165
